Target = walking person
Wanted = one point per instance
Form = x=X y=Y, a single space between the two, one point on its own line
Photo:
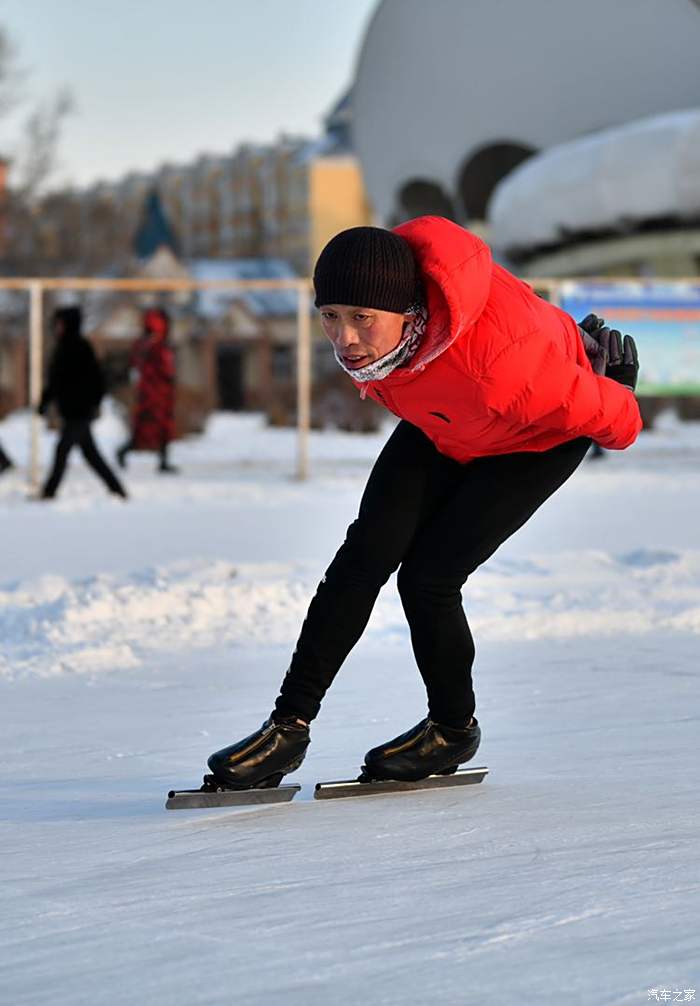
x=498 y=404
x=5 y=461
x=154 y=413
x=76 y=386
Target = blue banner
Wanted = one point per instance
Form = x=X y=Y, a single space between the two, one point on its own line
x=662 y=317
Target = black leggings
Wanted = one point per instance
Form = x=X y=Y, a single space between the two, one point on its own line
x=437 y=520
x=77 y=433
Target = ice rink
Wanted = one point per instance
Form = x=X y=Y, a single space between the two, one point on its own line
x=138 y=637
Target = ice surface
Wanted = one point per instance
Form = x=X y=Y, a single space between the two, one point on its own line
x=138 y=637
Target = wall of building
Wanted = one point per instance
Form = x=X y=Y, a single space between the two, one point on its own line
x=674 y=254
x=337 y=200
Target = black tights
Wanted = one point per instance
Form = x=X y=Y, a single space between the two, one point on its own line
x=77 y=433
x=436 y=521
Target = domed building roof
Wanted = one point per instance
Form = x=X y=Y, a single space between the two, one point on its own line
x=457 y=93
x=614 y=180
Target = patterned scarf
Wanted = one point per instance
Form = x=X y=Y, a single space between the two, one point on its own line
x=399 y=357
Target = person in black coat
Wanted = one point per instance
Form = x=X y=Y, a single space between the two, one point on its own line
x=5 y=461
x=76 y=386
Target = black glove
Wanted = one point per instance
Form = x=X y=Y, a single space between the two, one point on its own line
x=589 y=328
x=623 y=361
x=591 y=324
x=621 y=358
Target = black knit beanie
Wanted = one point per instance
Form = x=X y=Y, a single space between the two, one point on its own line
x=367 y=267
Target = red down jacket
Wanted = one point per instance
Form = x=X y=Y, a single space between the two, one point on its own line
x=499 y=369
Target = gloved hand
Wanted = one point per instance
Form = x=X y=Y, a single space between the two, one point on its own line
x=615 y=357
x=623 y=360
x=590 y=325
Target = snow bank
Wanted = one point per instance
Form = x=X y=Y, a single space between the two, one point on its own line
x=52 y=625
x=203 y=560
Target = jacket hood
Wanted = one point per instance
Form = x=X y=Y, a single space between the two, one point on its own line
x=156 y=323
x=71 y=319
x=456 y=268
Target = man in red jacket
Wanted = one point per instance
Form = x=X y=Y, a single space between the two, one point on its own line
x=498 y=404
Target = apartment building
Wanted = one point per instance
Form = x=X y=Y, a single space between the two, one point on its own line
x=278 y=200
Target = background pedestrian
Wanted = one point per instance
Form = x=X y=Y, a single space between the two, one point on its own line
x=154 y=412
x=76 y=386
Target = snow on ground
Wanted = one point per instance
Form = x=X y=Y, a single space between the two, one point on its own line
x=137 y=637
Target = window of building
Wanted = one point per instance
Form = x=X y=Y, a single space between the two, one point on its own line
x=282 y=363
x=422 y=197
x=482 y=172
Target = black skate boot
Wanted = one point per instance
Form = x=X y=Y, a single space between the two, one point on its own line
x=262 y=759
x=427 y=749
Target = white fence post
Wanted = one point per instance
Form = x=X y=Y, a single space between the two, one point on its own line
x=303 y=380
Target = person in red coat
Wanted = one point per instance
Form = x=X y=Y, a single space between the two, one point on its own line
x=153 y=424
x=498 y=404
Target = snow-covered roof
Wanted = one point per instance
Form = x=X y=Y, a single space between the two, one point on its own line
x=261 y=303
x=612 y=180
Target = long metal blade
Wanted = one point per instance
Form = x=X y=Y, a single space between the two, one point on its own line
x=191 y=799
x=351 y=787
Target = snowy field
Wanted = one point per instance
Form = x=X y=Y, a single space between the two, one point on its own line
x=138 y=637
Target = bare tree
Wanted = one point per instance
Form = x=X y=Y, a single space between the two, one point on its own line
x=10 y=74
x=36 y=159
x=22 y=230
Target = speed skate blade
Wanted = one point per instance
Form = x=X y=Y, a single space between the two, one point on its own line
x=194 y=799
x=352 y=787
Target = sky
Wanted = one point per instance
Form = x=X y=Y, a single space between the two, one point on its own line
x=166 y=80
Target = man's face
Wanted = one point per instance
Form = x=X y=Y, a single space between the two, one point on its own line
x=361 y=335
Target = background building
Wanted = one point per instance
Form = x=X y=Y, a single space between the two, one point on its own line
x=279 y=200
x=234 y=350
x=501 y=84
x=262 y=212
